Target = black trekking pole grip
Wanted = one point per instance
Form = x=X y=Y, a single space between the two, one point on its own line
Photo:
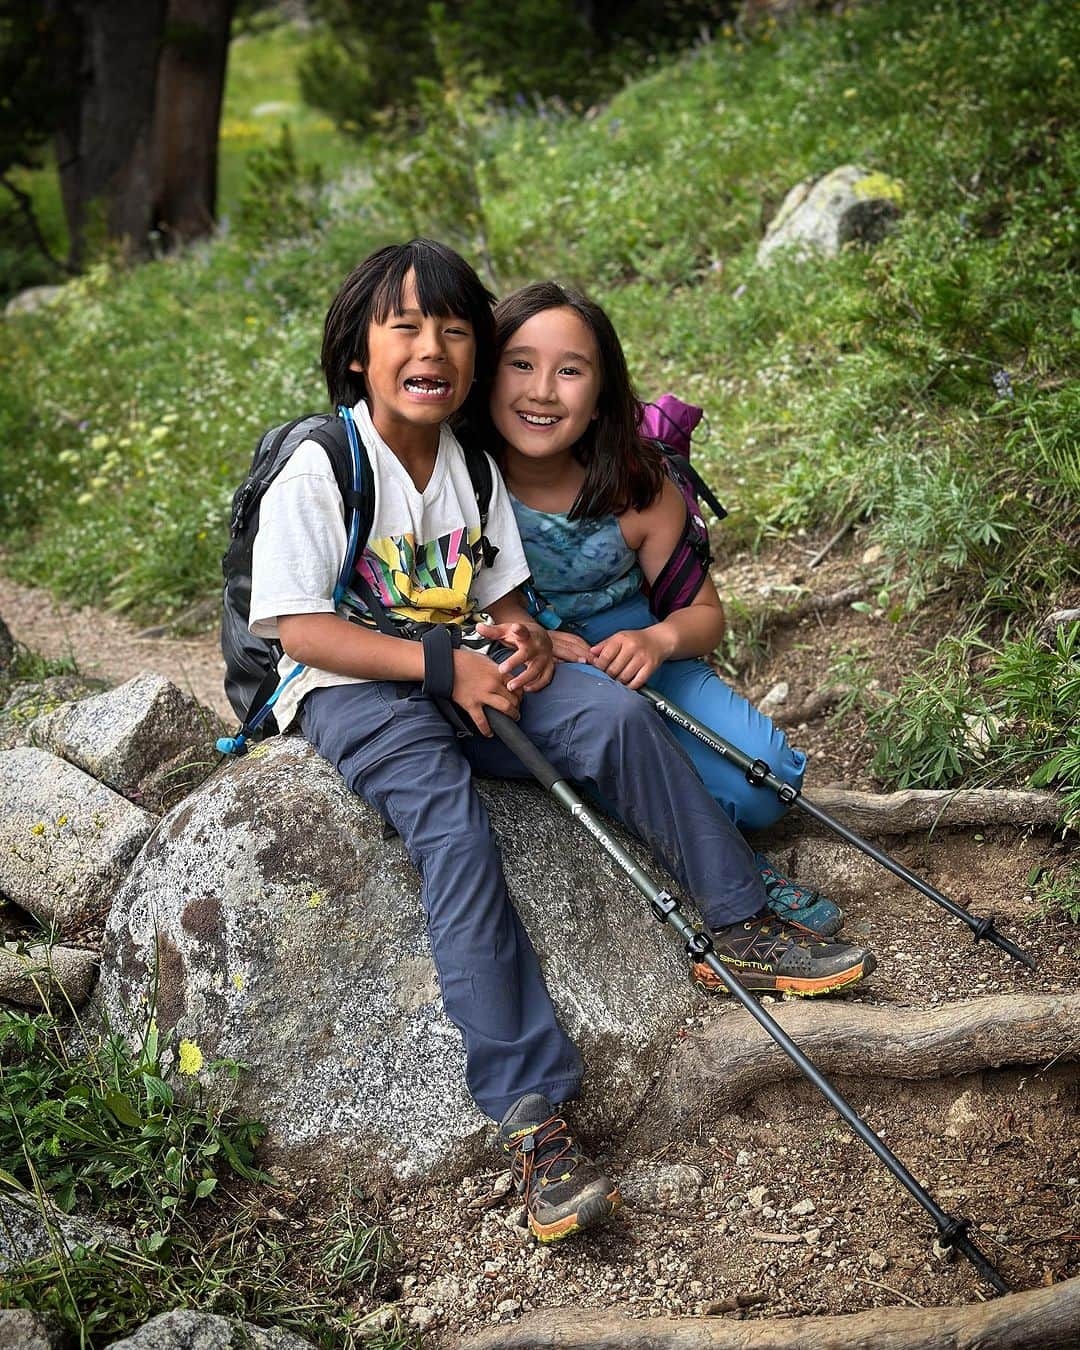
x=760 y=774
x=515 y=739
x=699 y=945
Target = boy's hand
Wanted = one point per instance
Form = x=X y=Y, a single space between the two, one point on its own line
x=533 y=659
x=632 y=655
x=570 y=647
x=480 y=683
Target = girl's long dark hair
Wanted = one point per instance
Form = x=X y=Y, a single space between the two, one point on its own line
x=445 y=285
x=621 y=469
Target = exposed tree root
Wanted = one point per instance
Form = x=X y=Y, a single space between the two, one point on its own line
x=915 y=809
x=1043 y=1319
x=734 y=1057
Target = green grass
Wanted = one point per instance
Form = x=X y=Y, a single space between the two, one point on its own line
x=861 y=387
x=262 y=95
x=144 y=1138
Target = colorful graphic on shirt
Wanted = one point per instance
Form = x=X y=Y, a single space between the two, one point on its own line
x=429 y=583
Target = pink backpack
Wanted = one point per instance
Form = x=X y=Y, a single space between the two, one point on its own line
x=670 y=423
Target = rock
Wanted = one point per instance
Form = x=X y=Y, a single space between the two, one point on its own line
x=962 y=1115
x=30 y=300
x=676 y=1184
x=65 y=840
x=7 y=650
x=756 y=1197
x=145 y=739
x=773 y=699
x=802 y=1207
x=185 y=1330
x=23 y=1330
x=45 y=977
x=24 y=1233
x=873 y=554
x=422 y=1317
x=289 y=936
x=847 y=204
x=28 y=700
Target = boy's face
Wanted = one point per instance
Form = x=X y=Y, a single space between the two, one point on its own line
x=419 y=368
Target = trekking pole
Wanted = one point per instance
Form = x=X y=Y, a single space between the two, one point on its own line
x=760 y=774
x=952 y=1231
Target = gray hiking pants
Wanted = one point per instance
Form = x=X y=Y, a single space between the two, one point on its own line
x=400 y=755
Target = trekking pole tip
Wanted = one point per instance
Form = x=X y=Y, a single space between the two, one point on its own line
x=987 y=930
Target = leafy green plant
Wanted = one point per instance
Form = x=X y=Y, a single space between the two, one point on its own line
x=1057 y=890
x=97 y=1126
x=281 y=198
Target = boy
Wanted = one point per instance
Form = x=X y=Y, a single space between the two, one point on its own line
x=409 y=343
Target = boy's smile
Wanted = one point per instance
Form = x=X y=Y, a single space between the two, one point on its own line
x=418 y=372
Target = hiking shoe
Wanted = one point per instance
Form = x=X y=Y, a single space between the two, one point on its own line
x=564 y=1192
x=765 y=953
x=799 y=904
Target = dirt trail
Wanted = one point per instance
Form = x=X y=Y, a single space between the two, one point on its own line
x=108 y=647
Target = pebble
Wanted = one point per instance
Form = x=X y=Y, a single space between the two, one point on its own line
x=803 y=1207
x=508 y=1306
x=742 y=1158
x=756 y=1196
x=422 y=1317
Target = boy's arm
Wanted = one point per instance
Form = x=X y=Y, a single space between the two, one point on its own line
x=334 y=644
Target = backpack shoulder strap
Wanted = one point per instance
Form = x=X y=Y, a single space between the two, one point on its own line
x=480 y=475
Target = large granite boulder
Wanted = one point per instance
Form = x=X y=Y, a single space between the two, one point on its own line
x=821 y=217
x=283 y=930
x=145 y=739
x=65 y=839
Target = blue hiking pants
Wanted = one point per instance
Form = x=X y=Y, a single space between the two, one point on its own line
x=693 y=686
x=402 y=757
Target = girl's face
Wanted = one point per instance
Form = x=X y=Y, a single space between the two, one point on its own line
x=547 y=382
x=419 y=367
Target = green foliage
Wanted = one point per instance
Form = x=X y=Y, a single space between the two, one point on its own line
x=94 y=1124
x=364 y=60
x=973 y=714
x=281 y=198
x=1057 y=890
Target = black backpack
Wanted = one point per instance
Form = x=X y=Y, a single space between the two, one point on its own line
x=251 y=677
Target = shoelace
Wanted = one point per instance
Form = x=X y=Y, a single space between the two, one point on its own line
x=529 y=1147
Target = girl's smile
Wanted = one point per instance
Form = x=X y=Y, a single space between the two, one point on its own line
x=547 y=383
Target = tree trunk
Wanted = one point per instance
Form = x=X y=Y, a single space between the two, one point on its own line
x=105 y=141
x=191 y=84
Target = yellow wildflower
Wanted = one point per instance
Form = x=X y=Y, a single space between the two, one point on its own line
x=191 y=1057
x=39 y=828
x=314 y=900
x=238 y=982
x=99 y=442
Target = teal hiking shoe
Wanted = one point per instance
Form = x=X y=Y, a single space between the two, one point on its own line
x=799 y=904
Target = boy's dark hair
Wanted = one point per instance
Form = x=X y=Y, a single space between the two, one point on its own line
x=621 y=469
x=445 y=285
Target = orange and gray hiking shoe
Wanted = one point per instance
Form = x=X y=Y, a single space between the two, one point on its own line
x=564 y=1192
x=771 y=955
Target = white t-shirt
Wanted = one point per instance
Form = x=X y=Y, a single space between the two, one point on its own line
x=422 y=556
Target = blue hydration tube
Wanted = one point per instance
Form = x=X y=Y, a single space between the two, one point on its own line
x=237 y=745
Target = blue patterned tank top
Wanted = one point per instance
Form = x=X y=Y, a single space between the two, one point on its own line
x=580 y=567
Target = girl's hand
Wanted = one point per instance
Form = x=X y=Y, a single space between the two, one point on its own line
x=478 y=684
x=632 y=655
x=570 y=647
x=533 y=659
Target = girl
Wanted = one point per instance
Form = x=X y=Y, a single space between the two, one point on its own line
x=599 y=518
